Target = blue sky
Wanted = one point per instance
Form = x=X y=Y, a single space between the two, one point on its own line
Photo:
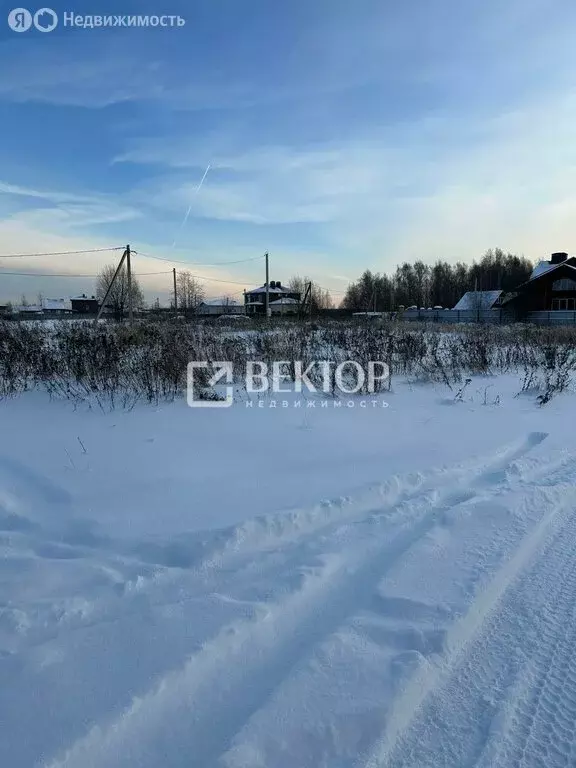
x=341 y=135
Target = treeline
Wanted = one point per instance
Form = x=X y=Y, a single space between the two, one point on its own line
x=442 y=284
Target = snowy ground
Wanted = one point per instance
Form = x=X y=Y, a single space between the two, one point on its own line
x=290 y=588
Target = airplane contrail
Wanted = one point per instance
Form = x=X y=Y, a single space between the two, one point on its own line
x=189 y=211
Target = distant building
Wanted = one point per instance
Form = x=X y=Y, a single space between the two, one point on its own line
x=220 y=306
x=31 y=310
x=550 y=288
x=255 y=300
x=56 y=306
x=85 y=305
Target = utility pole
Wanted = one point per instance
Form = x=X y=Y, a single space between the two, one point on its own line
x=175 y=294
x=302 y=308
x=309 y=295
x=130 y=296
x=105 y=299
x=267 y=286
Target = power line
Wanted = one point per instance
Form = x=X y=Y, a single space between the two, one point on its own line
x=59 y=253
x=197 y=263
x=53 y=274
x=215 y=280
x=40 y=274
x=143 y=274
x=147 y=274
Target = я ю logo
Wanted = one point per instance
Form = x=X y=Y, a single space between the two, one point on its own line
x=21 y=20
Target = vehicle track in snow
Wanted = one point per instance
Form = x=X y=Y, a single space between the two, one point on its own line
x=507 y=698
x=199 y=709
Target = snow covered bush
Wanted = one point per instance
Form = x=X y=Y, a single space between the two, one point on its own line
x=118 y=365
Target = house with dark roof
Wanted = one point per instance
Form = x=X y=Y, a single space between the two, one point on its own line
x=85 y=305
x=255 y=300
x=550 y=288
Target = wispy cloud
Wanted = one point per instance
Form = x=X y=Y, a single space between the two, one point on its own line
x=68 y=209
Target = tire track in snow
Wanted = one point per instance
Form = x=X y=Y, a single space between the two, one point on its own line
x=193 y=714
x=543 y=722
x=269 y=531
x=444 y=711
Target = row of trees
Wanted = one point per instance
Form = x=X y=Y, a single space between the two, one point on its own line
x=442 y=284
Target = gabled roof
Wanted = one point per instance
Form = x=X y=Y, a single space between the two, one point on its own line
x=262 y=289
x=478 y=300
x=545 y=266
x=540 y=268
x=56 y=305
x=553 y=268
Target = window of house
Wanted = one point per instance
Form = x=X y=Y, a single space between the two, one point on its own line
x=564 y=304
x=566 y=284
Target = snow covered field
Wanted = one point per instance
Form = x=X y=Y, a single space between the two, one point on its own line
x=290 y=588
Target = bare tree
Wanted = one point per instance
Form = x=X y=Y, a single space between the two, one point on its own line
x=320 y=297
x=323 y=298
x=118 y=298
x=189 y=290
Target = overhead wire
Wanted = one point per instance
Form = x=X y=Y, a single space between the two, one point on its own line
x=54 y=274
x=141 y=274
x=197 y=263
x=58 y=253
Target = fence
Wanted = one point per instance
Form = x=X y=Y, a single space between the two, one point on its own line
x=458 y=316
x=488 y=316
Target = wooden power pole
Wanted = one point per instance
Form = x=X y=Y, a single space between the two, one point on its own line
x=175 y=294
x=130 y=293
x=267 y=285
x=107 y=294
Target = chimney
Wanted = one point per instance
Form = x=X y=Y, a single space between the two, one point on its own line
x=272 y=284
x=278 y=285
x=558 y=258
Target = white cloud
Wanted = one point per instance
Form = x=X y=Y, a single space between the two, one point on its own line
x=69 y=209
